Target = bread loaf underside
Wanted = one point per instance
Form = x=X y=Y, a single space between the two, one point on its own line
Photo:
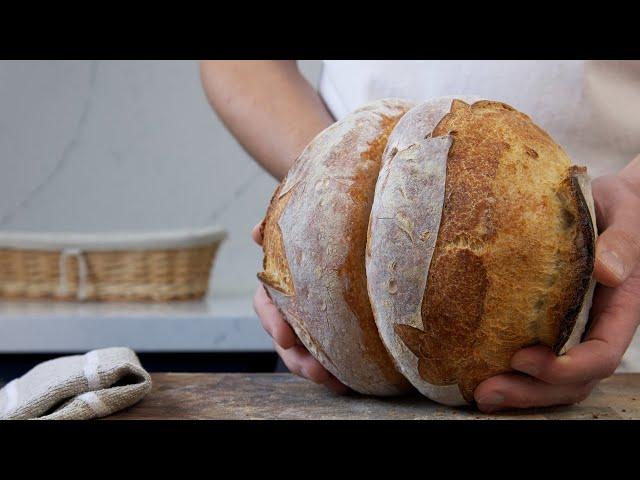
x=444 y=327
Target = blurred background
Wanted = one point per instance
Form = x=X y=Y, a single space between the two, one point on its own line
x=112 y=146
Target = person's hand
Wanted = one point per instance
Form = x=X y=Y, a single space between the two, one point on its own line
x=294 y=355
x=567 y=379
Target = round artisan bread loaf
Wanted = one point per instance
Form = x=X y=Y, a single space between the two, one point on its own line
x=314 y=241
x=481 y=242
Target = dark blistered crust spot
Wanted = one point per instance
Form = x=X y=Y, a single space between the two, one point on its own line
x=583 y=261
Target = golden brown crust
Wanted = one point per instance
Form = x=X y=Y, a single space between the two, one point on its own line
x=510 y=268
x=275 y=272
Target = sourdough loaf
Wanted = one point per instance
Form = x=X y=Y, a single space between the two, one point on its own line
x=481 y=242
x=314 y=240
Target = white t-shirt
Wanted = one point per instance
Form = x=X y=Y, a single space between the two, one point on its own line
x=591 y=108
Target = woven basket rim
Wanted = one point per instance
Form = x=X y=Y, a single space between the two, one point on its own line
x=110 y=241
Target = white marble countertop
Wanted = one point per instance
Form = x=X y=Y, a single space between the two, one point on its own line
x=213 y=324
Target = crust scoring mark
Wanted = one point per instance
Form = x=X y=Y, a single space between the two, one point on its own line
x=408 y=198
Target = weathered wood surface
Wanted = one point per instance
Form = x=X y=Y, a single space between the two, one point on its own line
x=232 y=396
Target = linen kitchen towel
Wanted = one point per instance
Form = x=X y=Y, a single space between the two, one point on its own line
x=77 y=387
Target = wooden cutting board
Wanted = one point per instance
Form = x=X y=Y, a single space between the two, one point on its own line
x=233 y=396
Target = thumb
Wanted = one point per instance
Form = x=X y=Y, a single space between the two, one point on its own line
x=617 y=254
x=618 y=247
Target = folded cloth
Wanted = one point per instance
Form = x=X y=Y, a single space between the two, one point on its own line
x=77 y=387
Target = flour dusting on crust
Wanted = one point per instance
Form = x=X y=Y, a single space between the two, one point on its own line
x=334 y=178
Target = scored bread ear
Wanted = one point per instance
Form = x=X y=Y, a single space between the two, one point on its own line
x=418 y=123
x=579 y=188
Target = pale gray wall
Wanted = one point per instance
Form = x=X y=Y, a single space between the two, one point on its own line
x=90 y=146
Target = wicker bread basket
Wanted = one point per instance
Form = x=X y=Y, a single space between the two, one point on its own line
x=120 y=267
